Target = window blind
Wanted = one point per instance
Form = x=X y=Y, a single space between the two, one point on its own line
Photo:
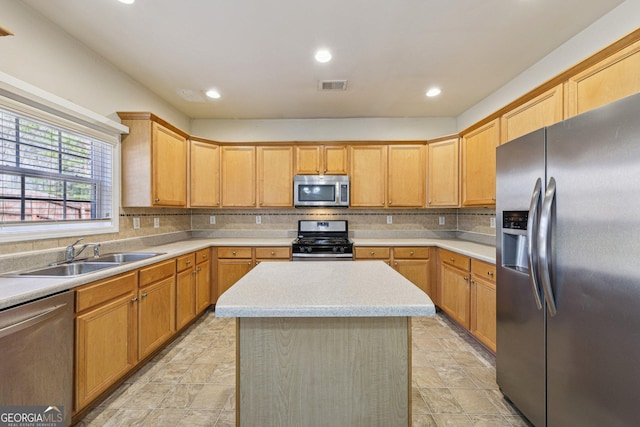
x=49 y=173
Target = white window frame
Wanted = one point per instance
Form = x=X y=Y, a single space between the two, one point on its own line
x=29 y=100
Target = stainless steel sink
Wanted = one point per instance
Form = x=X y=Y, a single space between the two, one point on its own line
x=124 y=257
x=72 y=269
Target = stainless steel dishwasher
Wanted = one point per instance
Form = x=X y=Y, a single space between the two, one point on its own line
x=36 y=359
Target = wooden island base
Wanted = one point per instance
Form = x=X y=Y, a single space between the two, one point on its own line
x=323 y=371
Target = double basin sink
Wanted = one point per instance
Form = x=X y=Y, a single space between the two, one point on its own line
x=88 y=265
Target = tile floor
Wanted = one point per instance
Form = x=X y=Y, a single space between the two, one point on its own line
x=192 y=381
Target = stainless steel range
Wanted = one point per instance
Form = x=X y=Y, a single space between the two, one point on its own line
x=322 y=241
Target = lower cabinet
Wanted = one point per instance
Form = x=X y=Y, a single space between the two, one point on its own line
x=455 y=287
x=483 y=302
x=203 y=280
x=185 y=289
x=105 y=334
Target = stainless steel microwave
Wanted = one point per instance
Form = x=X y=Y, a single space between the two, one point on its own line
x=321 y=190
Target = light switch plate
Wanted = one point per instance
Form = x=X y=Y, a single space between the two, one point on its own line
x=258 y=219
x=136 y=223
x=212 y=219
x=441 y=220
x=492 y=222
x=156 y=222
x=389 y=219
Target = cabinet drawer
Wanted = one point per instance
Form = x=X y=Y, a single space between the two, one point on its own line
x=157 y=272
x=483 y=269
x=275 y=252
x=185 y=261
x=373 y=252
x=96 y=293
x=411 y=253
x=203 y=255
x=234 y=252
x=455 y=259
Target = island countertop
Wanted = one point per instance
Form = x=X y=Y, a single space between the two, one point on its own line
x=323 y=289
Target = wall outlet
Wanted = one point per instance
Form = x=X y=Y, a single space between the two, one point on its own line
x=212 y=219
x=441 y=220
x=492 y=222
x=389 y=219
x=136 y=223
x=156 y=222
x=258 y=219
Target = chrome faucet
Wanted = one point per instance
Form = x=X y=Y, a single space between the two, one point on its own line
x=71 y=254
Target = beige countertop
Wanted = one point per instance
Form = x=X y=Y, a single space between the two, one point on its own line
x=17 y=290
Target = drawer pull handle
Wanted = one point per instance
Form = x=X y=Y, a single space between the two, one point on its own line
x=134 y=299
x=490 y=273
x=188 y=262
x=198 y=270
x=144 y=295
x=466 y=278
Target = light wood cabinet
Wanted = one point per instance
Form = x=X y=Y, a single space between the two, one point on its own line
x=414 y=263
x=203 y=280
x=479 y=165
x=185 y=290
x=406 y=176
x=275 y=176
x=454 y=287
x=156 y=307
x=483 y=302
x=368 y=175
x=277 y=253
x=321 y=160
x=154 y=162
x=105 y=335
x=233 y=263
x=613 y=78
x=379 y=253
x=443 y=184
x=204 y=175
x=238 y=176
x=544 y=110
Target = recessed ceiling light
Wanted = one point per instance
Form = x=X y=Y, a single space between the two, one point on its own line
x=213 y=93
x=434 y=91
x=323 y=55
x=127 y=1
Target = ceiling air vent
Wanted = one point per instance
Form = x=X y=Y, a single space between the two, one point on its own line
x=332 y=85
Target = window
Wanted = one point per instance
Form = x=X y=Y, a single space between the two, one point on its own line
x=48 y=173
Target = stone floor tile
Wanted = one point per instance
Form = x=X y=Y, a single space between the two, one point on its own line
x=453 y=420
x=199 y=418
x=423 y=420
x=164 y=417
x=212 y=396
x=474 y=401
x=441 y=401
x=181 y=396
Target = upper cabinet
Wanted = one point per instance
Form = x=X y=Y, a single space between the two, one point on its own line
x=275 y=176
x=613 y=78
x=543 y=110
x=443 y=184
x=204 y=175
x=238 y=176
x=368 y=175
x=154 y=162
x=479 y=165
x=407 y=175
x=321 y=159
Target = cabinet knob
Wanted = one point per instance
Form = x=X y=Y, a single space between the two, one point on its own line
x=188 y=262
x=233 y=253
x=218 y=203
x=194 y=272
x=411 y=253
x=249 y=263
x=198 y=270
x=324 y=171
x=473 y=281
x=395 y=263
x=134 y=299
x=466 y=278
x=429 y=202
x=156 y=200
x=372 y=253
x=273 y=253
x=144 y=295
x=452 y=259
x=490 y=273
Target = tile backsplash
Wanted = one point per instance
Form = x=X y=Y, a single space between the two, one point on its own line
x=469 y=224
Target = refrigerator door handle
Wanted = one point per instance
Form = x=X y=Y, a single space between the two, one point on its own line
x=544 y=234
x=532 y=233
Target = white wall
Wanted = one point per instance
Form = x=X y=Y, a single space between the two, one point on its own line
x=355 y=129
x=616 y=24
x=45 y=56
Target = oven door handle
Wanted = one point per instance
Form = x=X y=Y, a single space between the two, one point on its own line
x=322 y=255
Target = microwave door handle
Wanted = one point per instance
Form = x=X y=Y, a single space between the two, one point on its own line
x=337 y=192
x=544 y=234
x=532 y=233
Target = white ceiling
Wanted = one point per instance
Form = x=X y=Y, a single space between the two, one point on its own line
x=259 y=54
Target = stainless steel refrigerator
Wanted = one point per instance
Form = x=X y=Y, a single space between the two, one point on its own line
x=568 y=280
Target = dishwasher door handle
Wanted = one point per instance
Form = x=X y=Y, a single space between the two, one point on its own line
x=33 y=320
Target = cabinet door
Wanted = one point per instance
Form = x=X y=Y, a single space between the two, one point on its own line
x=544 y=110
x=238 y=176
x=416 y=271
x=105 y=347
x=204 y=175
x=335 y=159
x=406 y=175
x=203 y=285
x=443 y=172
x=613 y=78
x=156 y=315
x=230 y=271
x=308 y=159
x=455 y=294
x=483 y=311
x=368 y=175
x=479 y=165
x=275 y=176
x=185 y=297
x=169 y=167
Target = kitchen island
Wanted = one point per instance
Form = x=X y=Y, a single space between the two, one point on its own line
x=323 y=343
